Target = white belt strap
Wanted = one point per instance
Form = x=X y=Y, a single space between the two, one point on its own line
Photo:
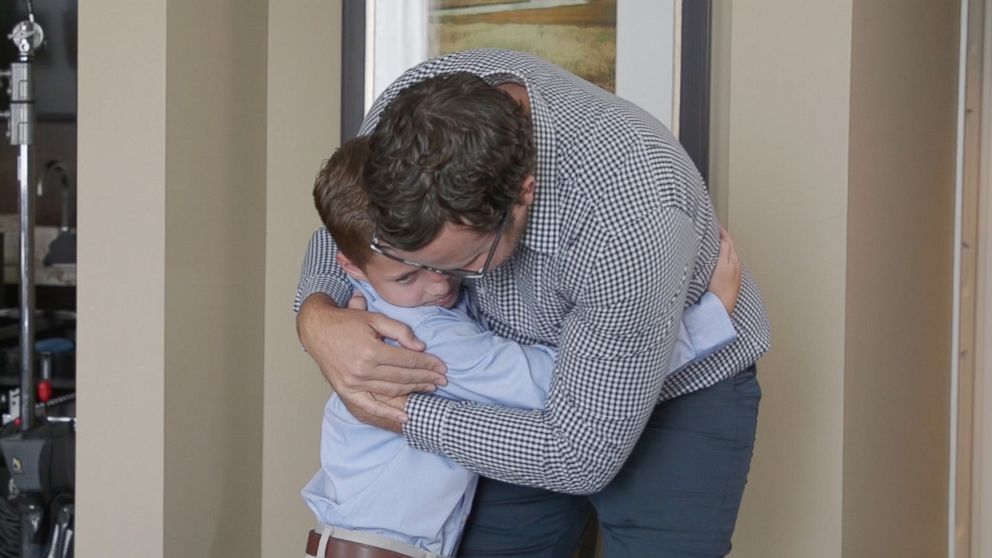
x=325 y=534
x=371 y=539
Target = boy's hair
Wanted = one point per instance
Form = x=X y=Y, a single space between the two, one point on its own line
x=340 y=198
x=449 y=149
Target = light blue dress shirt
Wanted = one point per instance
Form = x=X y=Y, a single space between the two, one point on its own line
x=372 y=480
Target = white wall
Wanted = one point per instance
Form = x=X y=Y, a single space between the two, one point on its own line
x=646 y=55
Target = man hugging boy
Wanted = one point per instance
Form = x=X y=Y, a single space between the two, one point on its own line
x=373 y=492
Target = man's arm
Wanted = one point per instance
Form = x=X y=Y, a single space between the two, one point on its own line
x=347 y=345
x=489 y=369
x=615 y=347
x=321 y=272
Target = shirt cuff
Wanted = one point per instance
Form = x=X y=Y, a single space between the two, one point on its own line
x=709 y=327
x=427 y=416
x=329 y=285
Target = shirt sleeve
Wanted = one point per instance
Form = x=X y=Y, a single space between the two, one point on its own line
x=615 y=348
x=486 y=368
x=321 y=272
x=705 y=329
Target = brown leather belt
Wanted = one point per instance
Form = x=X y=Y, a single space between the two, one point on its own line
x=337 y=548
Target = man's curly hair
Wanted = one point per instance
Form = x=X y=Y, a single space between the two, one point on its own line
x=449 y=149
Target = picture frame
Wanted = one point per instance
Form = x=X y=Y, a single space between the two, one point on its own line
x=663 y=51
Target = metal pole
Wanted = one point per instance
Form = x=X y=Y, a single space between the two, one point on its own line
x=27 y=37
x=25 y=162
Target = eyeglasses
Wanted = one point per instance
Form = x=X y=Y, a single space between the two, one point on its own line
x=378 y=248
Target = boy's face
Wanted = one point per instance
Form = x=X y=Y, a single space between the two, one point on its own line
x=403 y=285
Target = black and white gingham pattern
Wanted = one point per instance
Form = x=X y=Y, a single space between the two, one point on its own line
x=621 y=238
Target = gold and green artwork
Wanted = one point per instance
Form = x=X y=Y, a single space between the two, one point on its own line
x=578 y=35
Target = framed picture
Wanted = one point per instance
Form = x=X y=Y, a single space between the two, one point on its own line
x=654 y=53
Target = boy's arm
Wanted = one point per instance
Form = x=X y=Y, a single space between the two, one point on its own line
x=706 y=326
x=705 y=329
x=484 y=367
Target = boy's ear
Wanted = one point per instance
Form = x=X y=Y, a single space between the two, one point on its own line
x=350 y=268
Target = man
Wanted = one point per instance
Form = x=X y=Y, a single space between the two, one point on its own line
x=588 y=228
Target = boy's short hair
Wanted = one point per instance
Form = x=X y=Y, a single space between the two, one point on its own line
x=340 y=198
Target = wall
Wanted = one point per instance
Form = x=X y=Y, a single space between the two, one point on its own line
x=172 y=220
x=198 y=143
x=721 y=62
x=215 y=272
x=833 y=135
x=787 y=202
x=120 y=459
x=901 y=226
x=981 y=539
x=304 y=106
x=970 y=246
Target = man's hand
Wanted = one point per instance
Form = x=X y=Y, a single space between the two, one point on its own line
x=726 y=280
x=386 y=423
x=347 y=345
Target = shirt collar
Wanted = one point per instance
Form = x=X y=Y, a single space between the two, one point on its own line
x=410 y=314
x=542 y=222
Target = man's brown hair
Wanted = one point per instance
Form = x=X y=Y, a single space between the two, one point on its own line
x=340 y=198
x=449 y=149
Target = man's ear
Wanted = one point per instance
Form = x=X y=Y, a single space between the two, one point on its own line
x=527 y=190
x=350 y=268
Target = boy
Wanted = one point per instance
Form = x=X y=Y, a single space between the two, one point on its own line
x=373 y=489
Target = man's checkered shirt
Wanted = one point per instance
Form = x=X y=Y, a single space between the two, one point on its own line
x=621 y=237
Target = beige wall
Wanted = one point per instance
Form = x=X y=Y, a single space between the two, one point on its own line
x=304 y=106
x=172 y=214
x=215 y=271
x=981 y=164
x=833 y=127
x=202 y=125
x=901 y=231
x=199 y=140
x=121 y=279
x=721 y=63
x=981 y=539
x=982 y=519
x=786 y=163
